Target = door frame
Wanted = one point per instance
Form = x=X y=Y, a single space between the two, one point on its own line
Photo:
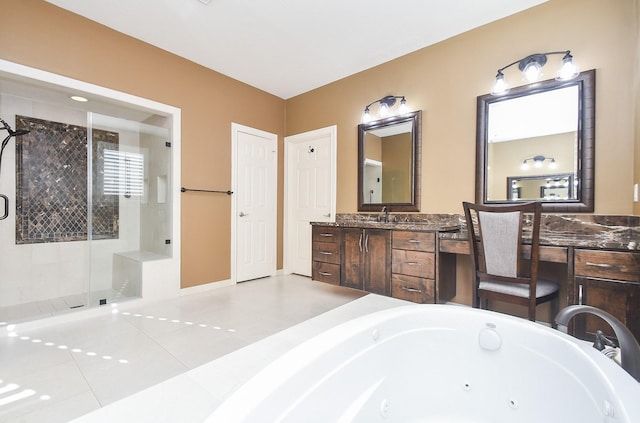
x=235 y=128
x=289 y=142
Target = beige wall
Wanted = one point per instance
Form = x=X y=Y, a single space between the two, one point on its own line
x=37 y=34
x=635 y=83
x=444 y=80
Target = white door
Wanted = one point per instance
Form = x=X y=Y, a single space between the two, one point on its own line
x=310 y=192
x=255 y=207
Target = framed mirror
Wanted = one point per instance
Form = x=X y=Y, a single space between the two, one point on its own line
x=533 y=135
x=389 y=163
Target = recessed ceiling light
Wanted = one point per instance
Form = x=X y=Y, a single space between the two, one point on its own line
x=205 y=1
x=79 y=98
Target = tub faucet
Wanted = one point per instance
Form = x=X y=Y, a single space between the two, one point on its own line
x=603 y=342
x=629 y=347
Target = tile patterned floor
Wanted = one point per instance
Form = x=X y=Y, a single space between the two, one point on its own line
x=56 y=306
x=173 y=360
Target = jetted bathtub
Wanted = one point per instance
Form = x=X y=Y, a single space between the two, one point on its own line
x=438 y=363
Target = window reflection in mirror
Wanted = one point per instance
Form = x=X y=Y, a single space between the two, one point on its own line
x=388 y=163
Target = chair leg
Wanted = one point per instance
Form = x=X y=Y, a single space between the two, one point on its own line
x=476 y=301
x=532 y=311
x=555 y=308
x=484 y=303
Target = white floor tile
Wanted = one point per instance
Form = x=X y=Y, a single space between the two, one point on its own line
x=166 y=361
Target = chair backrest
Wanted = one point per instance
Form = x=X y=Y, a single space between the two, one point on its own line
x=496 y=238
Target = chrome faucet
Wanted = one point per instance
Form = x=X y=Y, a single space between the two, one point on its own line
x=629 y=347
x=385 y=210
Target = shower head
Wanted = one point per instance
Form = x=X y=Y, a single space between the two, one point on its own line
x=19 y=132
x=11 y=132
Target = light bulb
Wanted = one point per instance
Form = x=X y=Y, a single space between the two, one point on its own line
x=500 y=86
x=537 y=163
x=568 y=70
x=532 y=72
x=366 y=116
x=384 y=110
x=525 y=165
x=552 y=165
x=403 y=108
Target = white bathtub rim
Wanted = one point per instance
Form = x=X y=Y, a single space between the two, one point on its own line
x=250 y=395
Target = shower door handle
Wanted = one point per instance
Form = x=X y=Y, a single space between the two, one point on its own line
x=6 y=206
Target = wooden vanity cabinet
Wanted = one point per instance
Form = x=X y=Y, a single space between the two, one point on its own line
x=366 y=260
x=413 y=266
x=325 y=254
x=608 y=280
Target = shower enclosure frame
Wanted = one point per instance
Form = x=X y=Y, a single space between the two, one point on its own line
x=160 y=278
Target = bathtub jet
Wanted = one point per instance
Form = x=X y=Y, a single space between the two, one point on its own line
x=438 y=363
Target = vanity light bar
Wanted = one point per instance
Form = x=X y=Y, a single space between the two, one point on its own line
x=384 y=110
x=531 y=67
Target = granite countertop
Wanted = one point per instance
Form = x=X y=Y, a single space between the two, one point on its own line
x=407 y=222
x=608 y=241
x=586 y=231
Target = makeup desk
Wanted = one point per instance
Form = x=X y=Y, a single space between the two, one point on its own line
x=601 y=255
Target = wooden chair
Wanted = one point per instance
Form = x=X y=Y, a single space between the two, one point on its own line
x=499 y=270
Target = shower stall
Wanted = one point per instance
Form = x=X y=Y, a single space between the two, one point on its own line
x=88 y=199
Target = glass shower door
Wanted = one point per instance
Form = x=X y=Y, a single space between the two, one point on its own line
x=130 y=203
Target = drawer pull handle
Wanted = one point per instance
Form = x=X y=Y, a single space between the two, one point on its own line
x=412 y=263
x=405 y=288
x=326 y=253
x=580 y=294
x=414 y=241
x=604 y=265
x=326 y=235
x=325 y=273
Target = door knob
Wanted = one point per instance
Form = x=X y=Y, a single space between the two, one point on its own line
x=243 y=214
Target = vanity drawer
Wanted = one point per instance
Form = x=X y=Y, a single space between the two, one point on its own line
x=325 y=234
x=326 y=272
x=608 y=265
x=413 y=263
x=417 y=241
x=326 y=252
x=411 y=288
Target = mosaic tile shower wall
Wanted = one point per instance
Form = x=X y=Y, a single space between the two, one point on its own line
x=51 y=183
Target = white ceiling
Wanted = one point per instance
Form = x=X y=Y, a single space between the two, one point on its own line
x=288 y=47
